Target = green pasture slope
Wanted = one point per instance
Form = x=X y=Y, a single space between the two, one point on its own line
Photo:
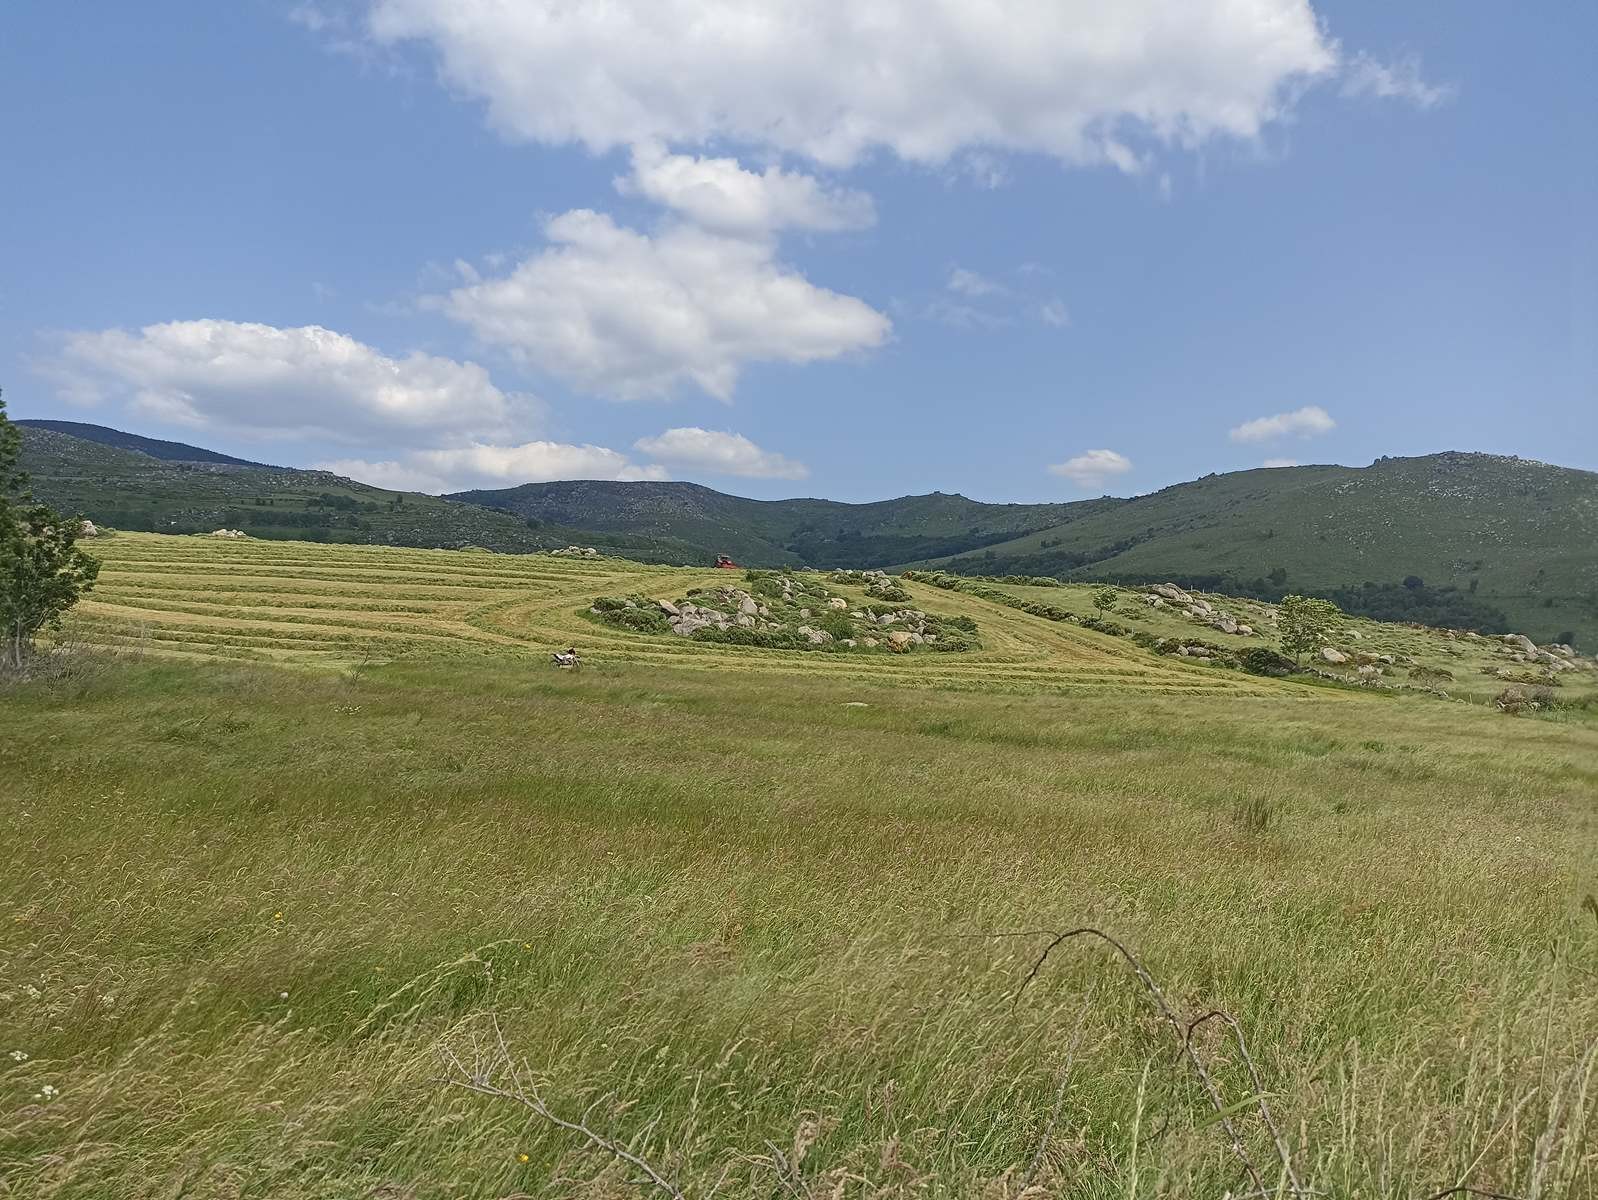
x=1506 y=534
x=330 y=830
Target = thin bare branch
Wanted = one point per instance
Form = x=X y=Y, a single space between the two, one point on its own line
x=479 y=1079
x=1206 y=1080
x=1264 y=1105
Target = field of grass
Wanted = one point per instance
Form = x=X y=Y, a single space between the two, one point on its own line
x=298 y=603
x=742 y=908
x=1473 y=663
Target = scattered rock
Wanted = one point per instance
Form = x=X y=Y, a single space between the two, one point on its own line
x=1333 y=656
x=88 y=529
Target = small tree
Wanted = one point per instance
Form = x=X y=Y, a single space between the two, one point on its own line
x=1306 y=623
x=1104 y=599
x=42 y=572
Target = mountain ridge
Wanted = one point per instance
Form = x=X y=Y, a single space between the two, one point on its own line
x=154 y=447
x=1459 y=537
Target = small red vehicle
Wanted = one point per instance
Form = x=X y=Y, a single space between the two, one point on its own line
x=723 y=561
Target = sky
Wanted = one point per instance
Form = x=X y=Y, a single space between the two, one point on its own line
x=1020 y=251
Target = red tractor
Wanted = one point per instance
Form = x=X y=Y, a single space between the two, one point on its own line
x=726 y=563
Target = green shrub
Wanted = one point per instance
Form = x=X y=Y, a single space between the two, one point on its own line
x=835 y=623
x=1262 y=660
x=1104 y=625
x=638 y=613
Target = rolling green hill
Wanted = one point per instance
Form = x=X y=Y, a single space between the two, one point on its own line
x=129 y=489
x=1480 y=540
x=764 y=533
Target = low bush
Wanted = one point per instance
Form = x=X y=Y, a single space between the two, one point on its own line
x=1518 y=700
x=638 y=613
x=1261 y=660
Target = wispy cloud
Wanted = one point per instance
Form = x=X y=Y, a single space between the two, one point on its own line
x=970 y=283
x=1054 y=313
x=1400 y=79
x=1308 y=421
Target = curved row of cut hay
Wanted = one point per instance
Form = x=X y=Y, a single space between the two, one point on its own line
x=310 y=604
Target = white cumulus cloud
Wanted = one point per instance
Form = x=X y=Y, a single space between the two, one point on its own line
x=1308 y=421
x=634 y=315
x=1092 y=468
x=1397 y=80
x=264 y=380
x=928 y=80
x=1280 y=462
x=695 y=449
x=481 y=465
x=720 y=195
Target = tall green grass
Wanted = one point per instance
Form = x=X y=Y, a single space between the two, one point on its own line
x=246 y=912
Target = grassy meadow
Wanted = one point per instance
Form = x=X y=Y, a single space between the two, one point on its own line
x=328 y=828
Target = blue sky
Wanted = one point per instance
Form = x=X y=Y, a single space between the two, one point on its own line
x=929 y=246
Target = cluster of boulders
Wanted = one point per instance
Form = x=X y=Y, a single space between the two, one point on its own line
x=88 y=529
x=1555 y=658
x=737 y=607
x=1195 y=608
x=879 y=585
x=788 y=612
x=227 y=533
x=576 y=552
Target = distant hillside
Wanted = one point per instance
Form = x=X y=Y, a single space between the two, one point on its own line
x=154 y=447
x=1474 y=536
x=822 y=533
x=129 y=489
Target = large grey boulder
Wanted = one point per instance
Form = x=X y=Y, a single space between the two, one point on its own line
x=1330 y=655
